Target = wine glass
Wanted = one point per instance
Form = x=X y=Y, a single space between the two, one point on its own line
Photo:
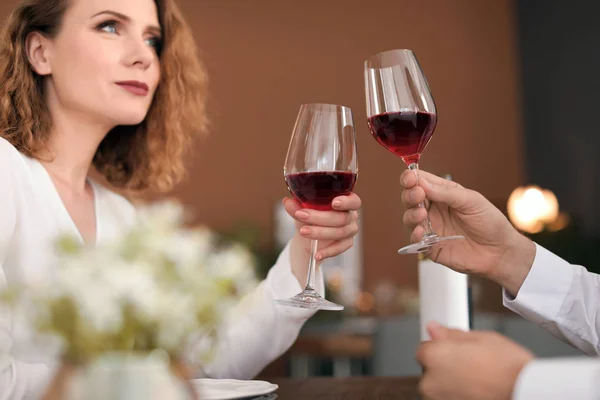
x=402 y=117
x=321 y=164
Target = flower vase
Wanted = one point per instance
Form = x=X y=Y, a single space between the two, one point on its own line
x=118 y=376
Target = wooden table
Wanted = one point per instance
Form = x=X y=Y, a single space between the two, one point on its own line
x=358 y=388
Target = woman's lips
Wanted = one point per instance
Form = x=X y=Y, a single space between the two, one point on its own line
x=135 y=87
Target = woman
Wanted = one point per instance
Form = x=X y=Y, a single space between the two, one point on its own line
x=117 y=85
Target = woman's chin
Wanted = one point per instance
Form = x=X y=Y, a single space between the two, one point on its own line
x=133 y=118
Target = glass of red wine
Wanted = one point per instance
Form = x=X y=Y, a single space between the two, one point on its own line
x=402 y=117
x=321 y=164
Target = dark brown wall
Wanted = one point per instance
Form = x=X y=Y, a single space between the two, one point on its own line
x=266 y=57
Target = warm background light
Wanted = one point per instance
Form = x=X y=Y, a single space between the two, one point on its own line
x=531 y=208
x=550 y=211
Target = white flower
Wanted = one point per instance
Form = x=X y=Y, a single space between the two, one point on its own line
x=162 y=216
x=235 y=265
x=176 y=321
x=162 y=279
x=101 y=310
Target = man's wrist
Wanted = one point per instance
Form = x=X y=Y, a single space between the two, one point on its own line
x=515 y=264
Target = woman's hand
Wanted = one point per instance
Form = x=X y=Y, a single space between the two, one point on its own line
x=335 y=231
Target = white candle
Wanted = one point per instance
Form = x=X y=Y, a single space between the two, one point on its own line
x=443 y=297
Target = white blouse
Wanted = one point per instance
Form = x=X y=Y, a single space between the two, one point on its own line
x=32 y=214
x=564 y=299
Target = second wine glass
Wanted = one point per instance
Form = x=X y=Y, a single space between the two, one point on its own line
x=321 y=164
x=402 y=117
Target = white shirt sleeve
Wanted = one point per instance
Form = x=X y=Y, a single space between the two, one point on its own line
x=559 y=379
x=259 y=331
x=7 y=226
x=17 y=380
x=562 y=298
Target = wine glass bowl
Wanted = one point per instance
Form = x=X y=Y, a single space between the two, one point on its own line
x=402 y=117
x=321 y=164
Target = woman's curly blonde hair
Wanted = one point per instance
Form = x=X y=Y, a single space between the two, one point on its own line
x=144 y=157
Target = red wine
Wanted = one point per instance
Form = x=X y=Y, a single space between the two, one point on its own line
x=404 y=133
x=317 y=190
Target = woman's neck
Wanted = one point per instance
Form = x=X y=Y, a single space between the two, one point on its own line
x=74 y=141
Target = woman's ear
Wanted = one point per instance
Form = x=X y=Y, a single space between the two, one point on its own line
x=37 y=47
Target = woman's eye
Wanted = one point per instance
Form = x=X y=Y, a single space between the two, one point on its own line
x=155 y=43
x=108 y=27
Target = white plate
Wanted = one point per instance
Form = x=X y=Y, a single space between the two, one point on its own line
x=230 y=389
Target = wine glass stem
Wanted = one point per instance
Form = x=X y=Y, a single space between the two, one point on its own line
x=312 y=266
x=428 y=229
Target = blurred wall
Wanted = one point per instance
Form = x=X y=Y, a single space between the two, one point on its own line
x=561 y=92
x=266 y=57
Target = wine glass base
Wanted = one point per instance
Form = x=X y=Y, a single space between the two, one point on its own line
x=426 y=244
x=311 y=300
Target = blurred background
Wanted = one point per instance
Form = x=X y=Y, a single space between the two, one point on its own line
x=516 y=87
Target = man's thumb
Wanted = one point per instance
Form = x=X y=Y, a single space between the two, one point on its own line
x=449 y=193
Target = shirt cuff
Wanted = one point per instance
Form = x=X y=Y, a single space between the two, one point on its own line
x=283 y=284
x=544 y=290
x=556 y=378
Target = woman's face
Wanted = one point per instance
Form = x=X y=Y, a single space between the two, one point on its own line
x=104 y=64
